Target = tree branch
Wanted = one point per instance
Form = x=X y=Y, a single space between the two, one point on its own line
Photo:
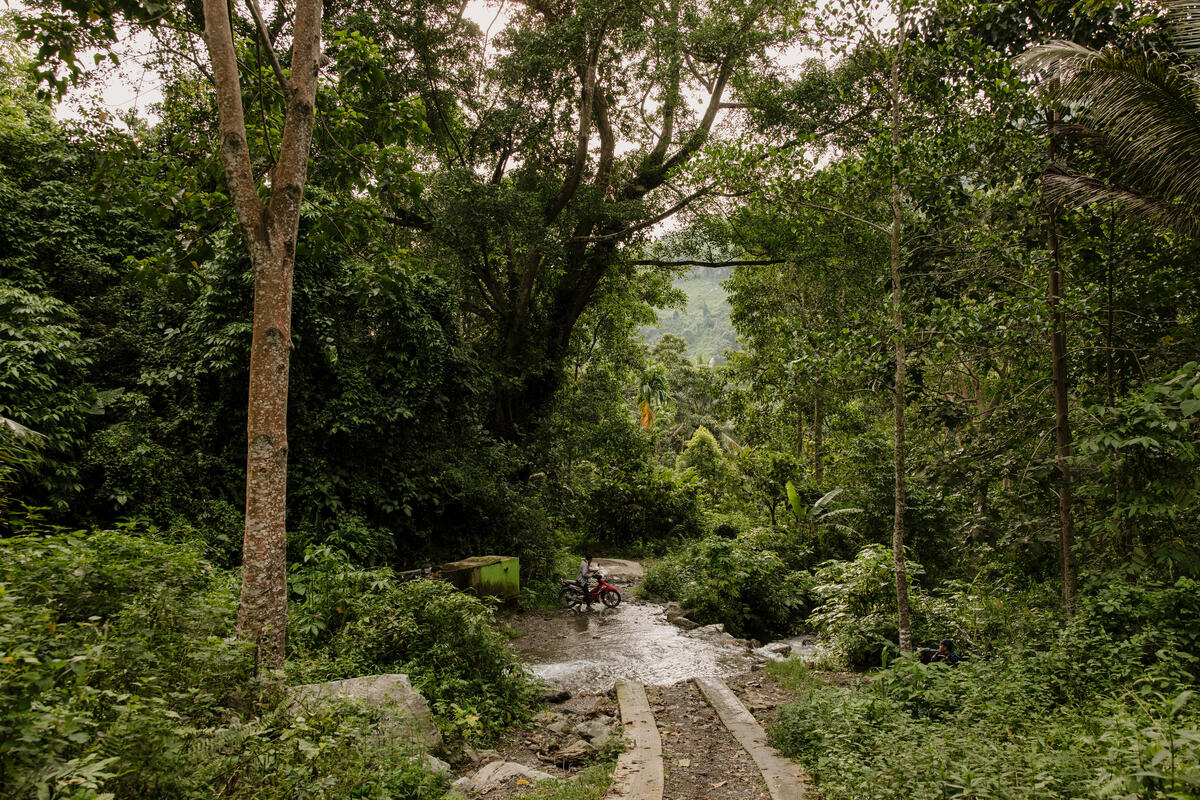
x=765 y=262
x=265 y=36
x=699 y=136
x=235 y=152
x=621 y=234
x=873 y=225
x=608 y=140
x=587 y=79
x=407 y=219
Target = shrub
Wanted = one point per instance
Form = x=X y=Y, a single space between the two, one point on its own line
x=96 y=574
x=119 y=677
x=991 y=729
x=856 y=615
x=642 y=507
x=1102 y=707
x=741 y=583
x=1139 y=466
x=446 y=641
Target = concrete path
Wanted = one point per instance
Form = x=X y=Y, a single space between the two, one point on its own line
x=784 y=779
x=639 y=772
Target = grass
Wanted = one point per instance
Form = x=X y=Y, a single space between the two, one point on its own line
x=792 y=674
x=590 y=784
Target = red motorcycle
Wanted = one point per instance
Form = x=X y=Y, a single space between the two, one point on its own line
x=601 y=591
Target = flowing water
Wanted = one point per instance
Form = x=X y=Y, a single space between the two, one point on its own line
x=589 y=651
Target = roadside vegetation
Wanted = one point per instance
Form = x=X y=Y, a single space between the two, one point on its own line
x=959 y=252
x=1103 y=707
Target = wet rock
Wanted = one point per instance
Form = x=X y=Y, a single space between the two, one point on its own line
x=556 y=696
x=585 y=705
x=406 y=709
x=479 y=756
x=577 y=751
x=779 y=648
x=677 y=616
x=496 y=774
x=559 y=727
x=714 y=634
x=596 y=731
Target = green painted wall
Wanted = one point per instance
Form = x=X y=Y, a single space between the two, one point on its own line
x=487 y=576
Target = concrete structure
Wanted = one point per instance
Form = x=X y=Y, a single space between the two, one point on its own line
x=487 y=576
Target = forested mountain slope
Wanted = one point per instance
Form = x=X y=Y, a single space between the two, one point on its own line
x=704 y=321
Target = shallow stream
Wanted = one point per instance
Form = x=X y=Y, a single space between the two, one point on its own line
x=589 y=651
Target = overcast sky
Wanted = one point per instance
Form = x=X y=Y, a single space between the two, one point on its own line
x=133 y=87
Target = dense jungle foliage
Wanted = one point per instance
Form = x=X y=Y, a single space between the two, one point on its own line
x=912 y=207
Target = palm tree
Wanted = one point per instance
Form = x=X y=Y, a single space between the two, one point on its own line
x=1142 y=110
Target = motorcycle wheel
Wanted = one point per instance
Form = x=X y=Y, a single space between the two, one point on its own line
x=570 y=598
x=611 y=598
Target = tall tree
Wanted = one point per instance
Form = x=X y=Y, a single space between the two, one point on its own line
x=270 y=231
x=576 y=141
x=1141 y=111
x=898 y=350
x=1058 y=370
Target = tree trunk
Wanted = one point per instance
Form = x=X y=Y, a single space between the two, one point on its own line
x=818 y=439
x=270 y=232
x=800 y=433
x=1110 y=278
x=902 y=607
x=1062 y=424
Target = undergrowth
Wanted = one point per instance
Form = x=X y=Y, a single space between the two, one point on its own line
x=1103 y=709
x=346 y=621
x=120 y=676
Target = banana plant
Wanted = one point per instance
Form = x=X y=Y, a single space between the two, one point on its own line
x=819 y=513
x=653 y=389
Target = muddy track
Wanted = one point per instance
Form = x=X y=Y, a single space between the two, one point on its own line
x=700 y=756
x=697 y=741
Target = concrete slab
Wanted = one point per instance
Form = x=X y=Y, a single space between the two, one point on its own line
x=639 y=772
x=785 y=780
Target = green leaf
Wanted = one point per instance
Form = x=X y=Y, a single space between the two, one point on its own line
x=794 y=500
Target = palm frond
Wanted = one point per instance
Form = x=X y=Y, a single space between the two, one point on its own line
x=1184 y=19
x=839 y=511
x=1052 y=56
x=1074 y=190
x=19 y=431
x=1147 y=109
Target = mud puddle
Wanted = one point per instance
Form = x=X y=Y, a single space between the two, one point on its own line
x=590 y=651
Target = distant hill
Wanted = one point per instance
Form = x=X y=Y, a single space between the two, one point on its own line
x=704 y=322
